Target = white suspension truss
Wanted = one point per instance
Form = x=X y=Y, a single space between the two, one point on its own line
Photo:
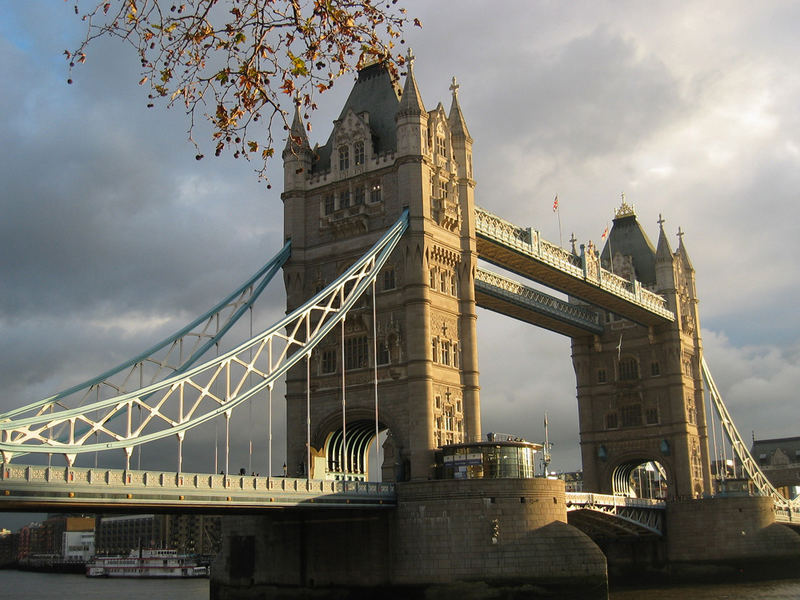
x=750 y=466
x=197 y=395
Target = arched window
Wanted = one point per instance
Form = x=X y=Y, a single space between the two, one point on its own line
x=358 y=153
x=344 y=158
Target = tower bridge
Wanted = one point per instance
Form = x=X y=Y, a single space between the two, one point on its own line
x=381 y=265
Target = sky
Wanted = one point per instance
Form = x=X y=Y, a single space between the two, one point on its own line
x=112 y=235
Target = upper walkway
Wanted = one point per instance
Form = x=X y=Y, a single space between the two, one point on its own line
x=523 y=251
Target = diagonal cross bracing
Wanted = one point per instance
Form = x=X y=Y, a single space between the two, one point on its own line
x=523 y=251
x=507 y=297
x=206 y=391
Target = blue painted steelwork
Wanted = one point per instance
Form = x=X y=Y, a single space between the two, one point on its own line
x=265 y=275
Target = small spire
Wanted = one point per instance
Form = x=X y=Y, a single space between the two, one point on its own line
x=297 y=139
x=663 y=249
x=572 y=241
x=410 y=101
x=458 y=126
x=682 y=250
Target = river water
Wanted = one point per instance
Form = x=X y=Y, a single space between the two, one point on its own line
x=19 y=585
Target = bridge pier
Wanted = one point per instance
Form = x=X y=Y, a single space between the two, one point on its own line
x=729 y=536
x=453 y=538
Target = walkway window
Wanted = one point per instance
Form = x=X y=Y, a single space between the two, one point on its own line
x=344 y=199
x=355 y=352
x=358 y=153
x=344 y=158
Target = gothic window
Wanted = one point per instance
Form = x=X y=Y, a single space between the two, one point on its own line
x=655 y=369
x=433 y=279
x=330 y=204
x=388 y=279
x=611 y=421
x=453 y=285
x=439 y=405
x=456 y=361
x=383 y=353
x=440 y=145
x=375 y=193
x=631 y=415
x=445 y=353
x=328 y=362
x=435 y=350
x=691 y=412
x=433 y=186
x=458 y=405
x=443 y=281
x=443 y=190
x=355 y=352
x=628 y=369
x=358 y=196
x=344 y=158
x=601 y=376
x=358 y=153
x=344 y=199
x=651 y=416
x=448 y=418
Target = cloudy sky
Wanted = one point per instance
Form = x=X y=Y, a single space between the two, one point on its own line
x=112 y=235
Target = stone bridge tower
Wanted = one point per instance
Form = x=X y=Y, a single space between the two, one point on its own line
x=386 y=153
x=640 y=389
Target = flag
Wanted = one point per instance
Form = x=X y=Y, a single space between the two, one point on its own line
x=545 y=420
x=605 y=233
x=555 y=204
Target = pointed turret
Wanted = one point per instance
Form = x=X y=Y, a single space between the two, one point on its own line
x=411 y=117
x=665 y=266
x=297 y=140
x=684 y=256
x=410 y=101
x=458 y=126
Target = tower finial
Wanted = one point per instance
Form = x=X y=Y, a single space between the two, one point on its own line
x=660 y=221
x=625 y=209
x=410 y=58
x=454 y=87
x=680 y=235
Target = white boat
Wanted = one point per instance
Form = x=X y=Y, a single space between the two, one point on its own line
x=146 y=563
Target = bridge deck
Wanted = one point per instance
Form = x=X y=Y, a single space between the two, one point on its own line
x=43 y=489
x=500 y=294
x=524 y=252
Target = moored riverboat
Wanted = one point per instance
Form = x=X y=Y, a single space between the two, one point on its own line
x=147 y=563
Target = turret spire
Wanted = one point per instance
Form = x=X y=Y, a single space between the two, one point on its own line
x=297 y=139
x=456 y=120
x=663 y=250
x=411 y=102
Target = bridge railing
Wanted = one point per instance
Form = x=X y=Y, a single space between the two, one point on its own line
x=528 y=241
x=592 y=499
x=78 y=478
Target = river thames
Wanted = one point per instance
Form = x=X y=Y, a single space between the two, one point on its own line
x=19 y=585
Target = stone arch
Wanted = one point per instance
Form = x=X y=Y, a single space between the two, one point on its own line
x=642 y=476
x=353 y=450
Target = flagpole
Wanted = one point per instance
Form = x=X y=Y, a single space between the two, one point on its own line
x=558 y=212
